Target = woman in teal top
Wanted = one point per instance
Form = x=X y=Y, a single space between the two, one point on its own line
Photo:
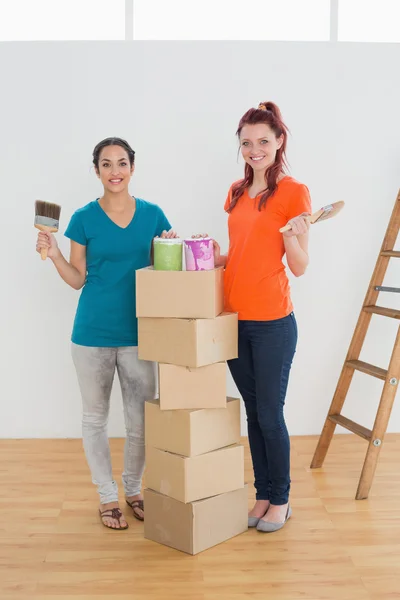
x=111 y=238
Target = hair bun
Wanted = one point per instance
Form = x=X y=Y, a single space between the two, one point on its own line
x=273 y=108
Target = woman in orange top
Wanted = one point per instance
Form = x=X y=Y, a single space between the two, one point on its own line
x=257 y=288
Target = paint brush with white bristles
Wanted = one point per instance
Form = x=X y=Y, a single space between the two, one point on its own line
x=47 y=219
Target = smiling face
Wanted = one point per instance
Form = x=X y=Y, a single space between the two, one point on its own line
x=114 y=169
x=259 y=145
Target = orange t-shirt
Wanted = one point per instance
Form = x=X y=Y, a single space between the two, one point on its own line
x=256 y=284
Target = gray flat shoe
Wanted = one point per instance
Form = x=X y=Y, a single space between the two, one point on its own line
x=266 y=527
x=253 y=521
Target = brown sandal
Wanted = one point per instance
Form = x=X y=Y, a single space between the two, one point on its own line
x=136 y=504
x=113 y=513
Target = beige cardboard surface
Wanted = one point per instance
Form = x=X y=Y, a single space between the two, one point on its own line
x=180 y=294
x=189 y=479
x=220 y=518
x=197 y=526
x=189 y=342
x=192 y=432
x=184 y=387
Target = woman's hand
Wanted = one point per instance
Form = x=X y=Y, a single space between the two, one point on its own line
x=299 y=226
x=48 y=241
x=169 y=234
x=296 y=244
x=217 y=248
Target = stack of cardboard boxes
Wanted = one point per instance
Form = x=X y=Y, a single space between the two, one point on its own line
x=195 y=496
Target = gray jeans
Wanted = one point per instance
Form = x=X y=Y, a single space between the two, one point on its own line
x=95 y=368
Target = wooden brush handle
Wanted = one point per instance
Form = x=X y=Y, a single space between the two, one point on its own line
x=288 y=227
x=43 y=252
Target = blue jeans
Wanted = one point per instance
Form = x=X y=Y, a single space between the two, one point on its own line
x=261 y=373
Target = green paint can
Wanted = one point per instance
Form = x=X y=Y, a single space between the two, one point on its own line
x=167 y=254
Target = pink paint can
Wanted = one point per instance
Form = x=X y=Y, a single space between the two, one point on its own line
x=199 y=254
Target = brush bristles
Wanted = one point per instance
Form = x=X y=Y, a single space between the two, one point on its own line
x=47 y=209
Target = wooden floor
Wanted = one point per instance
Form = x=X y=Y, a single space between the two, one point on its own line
x=53 y=546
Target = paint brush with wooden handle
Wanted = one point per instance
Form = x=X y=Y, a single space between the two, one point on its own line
x=326 y=212
x=47 y=219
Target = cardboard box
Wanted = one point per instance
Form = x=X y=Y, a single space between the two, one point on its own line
x=183 y=387
x=189 y=479
x=189 y=342
x=196 y=526
x=181 y=294
x=192 y=432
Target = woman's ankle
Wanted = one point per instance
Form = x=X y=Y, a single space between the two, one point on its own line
x=260 y=508
x=110 y=504
x=134 y=497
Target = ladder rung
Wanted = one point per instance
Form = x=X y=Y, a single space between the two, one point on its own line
x=352 y=426
x=392 y=253
x=384 y=288
x=385 y=312
x=364 y=367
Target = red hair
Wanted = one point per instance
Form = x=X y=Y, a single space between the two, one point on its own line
x=269 y=114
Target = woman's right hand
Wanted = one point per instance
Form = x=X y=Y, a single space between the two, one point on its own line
x=47 y=240
x=217 y=248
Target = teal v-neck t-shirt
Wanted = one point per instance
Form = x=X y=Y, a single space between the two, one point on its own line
x=106 y=313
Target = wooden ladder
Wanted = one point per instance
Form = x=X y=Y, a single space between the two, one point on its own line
x=390 y=376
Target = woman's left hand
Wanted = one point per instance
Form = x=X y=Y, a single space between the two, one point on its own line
x=169 y=234
x=299 y=225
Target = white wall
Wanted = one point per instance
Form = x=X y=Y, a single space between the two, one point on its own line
x=178 y=104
